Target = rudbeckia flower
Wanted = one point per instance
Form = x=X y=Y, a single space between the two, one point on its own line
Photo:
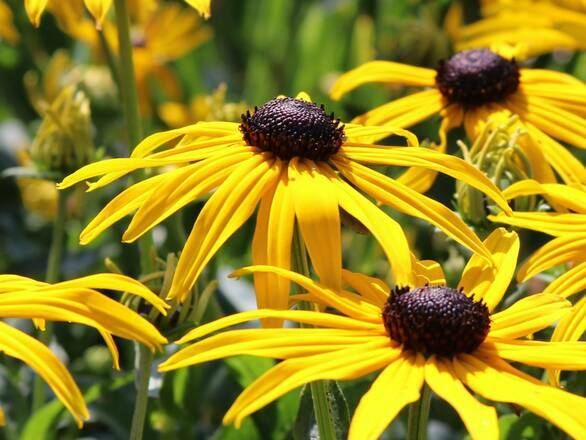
x=510 y=27
x=71 y=301
x=425 y=333
x=296 y=162
x=472 y=85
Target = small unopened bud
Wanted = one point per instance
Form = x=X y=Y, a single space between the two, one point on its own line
x=498 y=153
x=64 y=142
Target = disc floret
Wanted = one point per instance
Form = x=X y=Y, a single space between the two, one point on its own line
x=436 y=320
x=290 y=127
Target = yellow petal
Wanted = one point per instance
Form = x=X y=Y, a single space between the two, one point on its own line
x=202 y=6
x=271 y=246
x=429 y=272
x=34 y=10
x=345 y=364
x=98 y=8
x=21 y=346
x=570 y=283
x=405 y=378
x=528 y=316
x=563 y=409
x=228 y=208
x=557 y=251
x=480 y=420
x=351 y=305
x=318 y=216
x=304 y=96
x=565 y=195
x=319 y=319
x=383 y=72
x=392 y=193
x=551 y=223
x=367 y=134
x=490 y=282
x=386 y=230
x=369 y=287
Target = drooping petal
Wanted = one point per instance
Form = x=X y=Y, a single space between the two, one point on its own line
x=98 y=8
x=565 y=195
x=318 y=216
x=551 y=223
x=564 y=355
x=369 y=133
x=19 y=345
x=318 y=319
x=480 y=420
x=271 y=246
x=386 y=230
x=179 y=188
x=529 y=315
x=34 y=10
x=390 y=192
x=490 y=282
x=383 y=72
x=369 y=287
x=558 y=251
x=403 y=378
x=351 y=305
x=570 y=283
x=272 y=343
x=428 y=272
x=561 y=408
x=228 y=208
x=345 y=364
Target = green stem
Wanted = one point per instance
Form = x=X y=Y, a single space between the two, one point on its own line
x=143 y=364
x=129 y=96
x=319 y=389
x=419 y=415
x=52 y=276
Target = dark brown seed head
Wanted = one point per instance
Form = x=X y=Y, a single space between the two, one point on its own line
x=476 y=77
x=436 y=320
x=290 y=127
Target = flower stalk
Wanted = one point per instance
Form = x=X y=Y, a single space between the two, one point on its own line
x=419 y=416
x=319 y=389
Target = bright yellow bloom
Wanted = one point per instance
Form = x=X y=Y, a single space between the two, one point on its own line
x=35 y=8
x=475 y=84
x=569 y=246
x=72 y=301
x=424 y=333
x=289 y=157
x=8 y=31
x=525 y=28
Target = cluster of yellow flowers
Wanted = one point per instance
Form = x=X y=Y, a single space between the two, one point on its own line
x=298 y=169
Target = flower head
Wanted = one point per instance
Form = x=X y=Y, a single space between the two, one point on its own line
x=474 y=84
x=295 y=161
x=72 y=301
x=451 y=339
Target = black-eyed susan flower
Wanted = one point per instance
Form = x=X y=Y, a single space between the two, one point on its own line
x=510 y=27
x=474 y=84
x=451 y=339
x=72 y=301
x=299 y=164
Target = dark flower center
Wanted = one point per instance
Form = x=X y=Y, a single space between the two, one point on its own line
x=290 y=127
x=476 y=77
x=436 y=320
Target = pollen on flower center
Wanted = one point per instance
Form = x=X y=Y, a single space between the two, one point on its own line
x=290 y=127
x=436 y=320
x=476 y=77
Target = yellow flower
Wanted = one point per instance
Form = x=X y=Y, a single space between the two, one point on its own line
x=526 y=28
x=289 y=156
x=569 y=246
x=202 y=6
x=35 y=8
x=72 y=301
x=8 y=31
x=474 y=84
x=421 y=333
